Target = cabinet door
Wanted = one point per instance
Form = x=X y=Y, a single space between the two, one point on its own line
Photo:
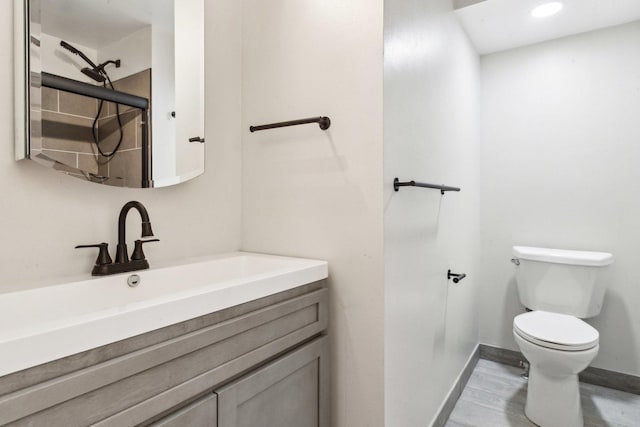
x=201 y=413
x=292 y=391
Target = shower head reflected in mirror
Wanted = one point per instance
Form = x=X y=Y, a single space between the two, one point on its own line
x=96 y=72
x=100 y=75
x=75 y=51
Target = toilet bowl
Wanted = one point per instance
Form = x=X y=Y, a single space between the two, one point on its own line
x=558 y=347
x=561 y=287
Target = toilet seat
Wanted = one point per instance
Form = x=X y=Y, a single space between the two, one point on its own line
x=555 y=331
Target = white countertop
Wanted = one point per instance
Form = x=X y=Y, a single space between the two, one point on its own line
x=48 y=323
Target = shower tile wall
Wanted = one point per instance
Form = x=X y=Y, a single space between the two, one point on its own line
x=66 y=129
x=67 y=121
x=129 y=163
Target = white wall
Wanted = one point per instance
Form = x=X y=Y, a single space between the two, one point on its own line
x=45 y=214
x=319 y=194
x=431 y=89
x=133 y=51
x=560 y=168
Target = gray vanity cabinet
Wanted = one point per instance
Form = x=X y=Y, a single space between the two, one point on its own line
x=290 y=392
x=259 y=364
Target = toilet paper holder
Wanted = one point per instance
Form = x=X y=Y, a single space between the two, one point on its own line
x=456 y=277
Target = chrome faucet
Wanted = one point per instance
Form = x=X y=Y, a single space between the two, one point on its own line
x=104 y=266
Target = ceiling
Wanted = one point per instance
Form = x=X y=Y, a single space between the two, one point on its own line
x=495 y=25
x=98 y=23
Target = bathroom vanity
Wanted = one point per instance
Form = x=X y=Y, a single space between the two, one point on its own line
x=260 y=362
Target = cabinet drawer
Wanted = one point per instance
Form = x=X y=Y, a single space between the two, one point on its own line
x=201 y=413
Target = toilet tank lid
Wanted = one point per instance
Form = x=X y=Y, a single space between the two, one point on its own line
x=563 y=256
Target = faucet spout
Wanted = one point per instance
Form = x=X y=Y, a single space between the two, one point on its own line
x=121 y=253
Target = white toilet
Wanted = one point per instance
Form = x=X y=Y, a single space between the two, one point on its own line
x=561 y=287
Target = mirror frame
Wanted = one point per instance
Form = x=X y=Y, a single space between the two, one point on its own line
x=21 y=78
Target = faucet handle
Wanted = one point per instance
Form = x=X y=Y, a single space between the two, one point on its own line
x=103 y=256
x=138 y=254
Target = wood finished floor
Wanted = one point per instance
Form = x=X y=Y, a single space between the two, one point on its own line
x=496 y=394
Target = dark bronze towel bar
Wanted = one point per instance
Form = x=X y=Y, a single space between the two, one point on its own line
x=324 y=123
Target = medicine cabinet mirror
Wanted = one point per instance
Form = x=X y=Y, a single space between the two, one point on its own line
x=112 y=91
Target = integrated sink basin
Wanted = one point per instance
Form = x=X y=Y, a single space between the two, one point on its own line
x=48 y=323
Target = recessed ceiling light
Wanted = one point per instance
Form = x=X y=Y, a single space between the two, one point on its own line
x=547 y=9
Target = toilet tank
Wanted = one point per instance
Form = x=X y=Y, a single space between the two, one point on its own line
x=561 y=281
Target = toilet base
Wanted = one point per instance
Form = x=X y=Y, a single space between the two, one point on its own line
x=553 y=400
x=553 y=394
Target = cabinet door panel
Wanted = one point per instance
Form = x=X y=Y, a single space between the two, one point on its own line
x=289 y=392
x=202 y=413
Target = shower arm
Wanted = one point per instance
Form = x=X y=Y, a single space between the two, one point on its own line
x=104 y=64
